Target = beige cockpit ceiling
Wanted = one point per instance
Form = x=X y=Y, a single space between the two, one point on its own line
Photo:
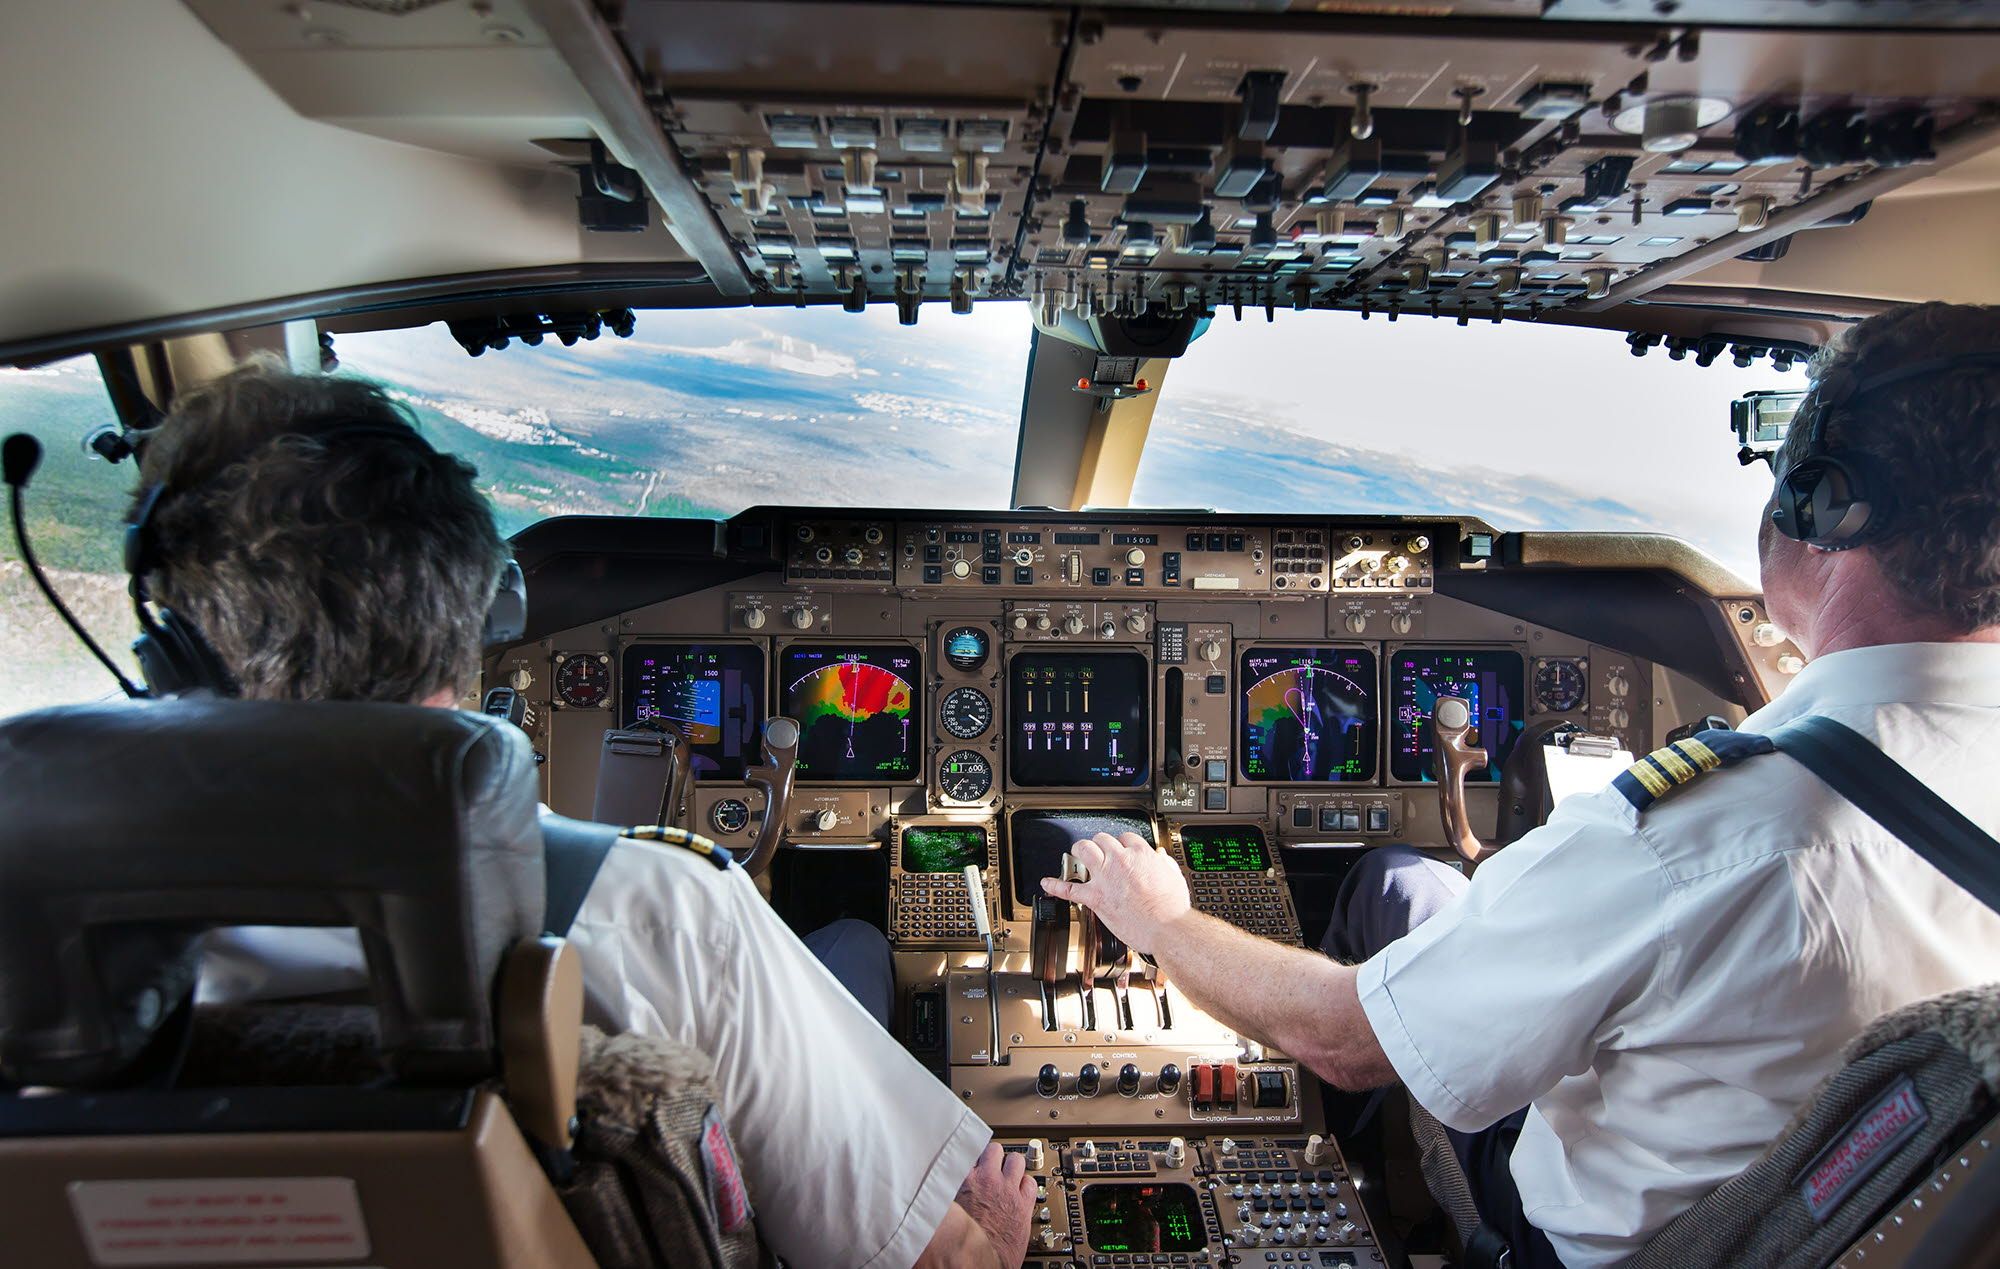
x=222 y=162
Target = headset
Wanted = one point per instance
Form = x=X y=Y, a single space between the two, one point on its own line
x=176 y=658
x=1824 y=497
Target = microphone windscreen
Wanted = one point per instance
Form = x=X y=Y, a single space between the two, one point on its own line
x=19 y=457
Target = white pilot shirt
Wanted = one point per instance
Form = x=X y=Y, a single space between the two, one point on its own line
x=852 y=1150
x=1666 y=988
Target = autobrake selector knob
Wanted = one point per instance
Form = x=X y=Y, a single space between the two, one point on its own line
x=827 y=820
x=1047 y=1079
x=1170 y=1078
x=1086 y=1079
x=1128 y=1080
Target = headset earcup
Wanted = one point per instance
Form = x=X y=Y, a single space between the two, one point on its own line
x=175 y=658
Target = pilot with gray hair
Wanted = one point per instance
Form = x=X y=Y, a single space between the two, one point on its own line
x=1625 y=1007
x=325 y=551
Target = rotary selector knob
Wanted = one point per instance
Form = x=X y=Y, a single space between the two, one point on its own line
x=1210 y=650
x=1766 y=635
x=1356 y=622
x=961 y=568
x=1619 y=717
x=1136 y=622
x=1419 y=544
x=801 y=616
x=521 y=679
x=827 y=820
x=872 y=535
x=1135 y=557
x=1176 y=1152
x=1020 y=621
x=1074 y=623
x=1789 y=664
x=1398 y=563
x=754 y=618
x=1024 y=557
x=823 y=555
x=1038 y=1154
x=1400 y=623
x=1226 y=1146
x=1316 y=1151
x=1050 y=1240
x=1086 y=1150
x=1618 y=685
x=1042 y=621
x=851 y=555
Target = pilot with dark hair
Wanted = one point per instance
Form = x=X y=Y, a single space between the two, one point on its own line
x=1624 y=1008
x=327 y=552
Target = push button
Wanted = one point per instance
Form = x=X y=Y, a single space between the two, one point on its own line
x=1218 y=769
x=1378 y=819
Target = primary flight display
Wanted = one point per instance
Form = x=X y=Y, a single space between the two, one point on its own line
x=1489 y=680
x=713 y=694
x=1307 y=715
x=860 y=710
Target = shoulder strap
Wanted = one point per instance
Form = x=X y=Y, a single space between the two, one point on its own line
x=572 y=853
x=1876 y=783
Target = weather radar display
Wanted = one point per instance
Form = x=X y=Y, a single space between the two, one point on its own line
x=858 y=709
x=1308 y=715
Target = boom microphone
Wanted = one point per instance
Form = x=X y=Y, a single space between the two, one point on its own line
x=20 y=454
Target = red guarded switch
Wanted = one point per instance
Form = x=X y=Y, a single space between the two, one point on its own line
x=1225 y=1086
x=1204 y=1085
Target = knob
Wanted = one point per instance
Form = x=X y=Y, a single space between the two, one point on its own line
x=1371 y=564
x=1619 y=717
x=1766 y=635
x=823 y=554
x=1618 y=685
x=872 y=535
x=1226 y=1146
x=1419 y=544
x=1176 y=1152
x=1047 y=1079
x=801 y=616
x=961 y=568
x=852 y=555
x=1316 y=1150
x=1086 y=1079
x=1074 y=623
x=1042 y=621
x=827 y=820
x=521 y=679
x=1020 y=621
x=1086 y=1150
x=1038 y=1154
x=1346 y=1232
x=1042 y=1215
x=1356 y=622
x=1247 y=1236
x=1136 y=622
x=1252 y=1051
x=805 y=533
x=754 y=618
x=1109 y=629
x=1356 y=542
x=1340 y=1210
x=1789 y=664
x=1210 y=650
x=1400 y=623
x=1050 y=1240
x=1170 y=1078
x=1398 y=563
x=1299 y=1236
x=1128 y=1080
x=1135 y=557
x=1024 y=557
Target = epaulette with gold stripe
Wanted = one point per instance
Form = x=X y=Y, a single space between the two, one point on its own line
x=1664 y=770
x=714 y=854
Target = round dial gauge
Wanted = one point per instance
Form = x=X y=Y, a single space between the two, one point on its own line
x=965 y=647
x=1559 y=686
x=966 y=712
x=583 y=682
x=730 y=815
x=965 y=776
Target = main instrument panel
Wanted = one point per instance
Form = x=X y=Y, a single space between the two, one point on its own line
x=976 y=692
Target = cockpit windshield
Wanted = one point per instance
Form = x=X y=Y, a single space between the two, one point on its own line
x=706 y=412
x=1526 y=427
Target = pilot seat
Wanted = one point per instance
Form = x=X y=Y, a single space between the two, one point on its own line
x=452 y=1111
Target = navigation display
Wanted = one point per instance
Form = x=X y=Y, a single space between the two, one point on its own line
x=1491 y=683
x=1078 y=719
x=860 y=711
x=1307 y=715
x=1143 y=1218
x=1225 y=848
x=713 y=694
x=943 y=847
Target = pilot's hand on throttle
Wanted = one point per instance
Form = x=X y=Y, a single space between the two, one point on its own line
x=999 y=1196
x=1135 y=890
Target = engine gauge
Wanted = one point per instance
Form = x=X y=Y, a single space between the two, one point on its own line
x=965 y=647
x=1559 y=685
x=966 y=713
x=583 y=681
x=965 y=776
x=730 y=815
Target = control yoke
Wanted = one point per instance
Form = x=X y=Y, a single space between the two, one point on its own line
x=1451 y=736
x=774 y=781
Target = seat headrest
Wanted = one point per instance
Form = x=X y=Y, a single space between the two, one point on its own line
x=132 y=828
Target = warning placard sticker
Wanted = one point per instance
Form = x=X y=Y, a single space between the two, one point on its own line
x=221 y=1220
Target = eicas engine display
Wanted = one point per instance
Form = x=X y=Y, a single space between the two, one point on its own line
x=974 y=693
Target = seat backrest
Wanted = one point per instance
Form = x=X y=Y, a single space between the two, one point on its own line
x=374 y=1133
x=1915 y=1087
